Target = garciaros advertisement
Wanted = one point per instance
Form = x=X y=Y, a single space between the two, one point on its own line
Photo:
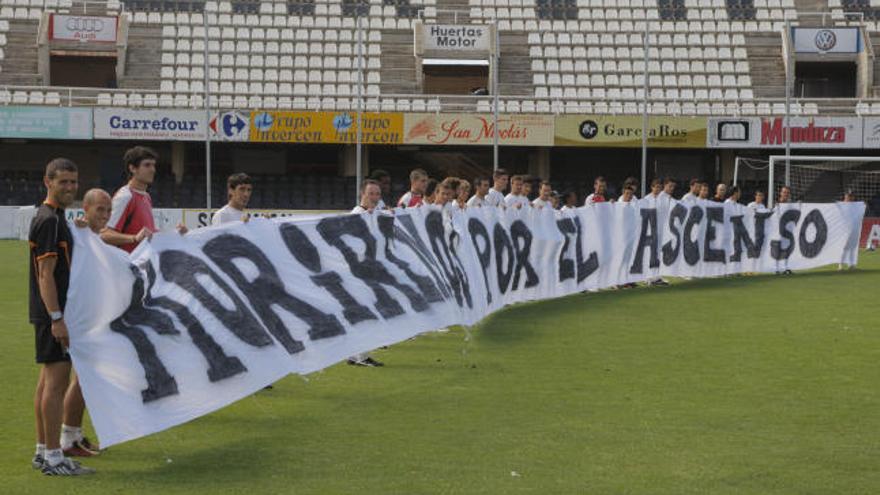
x=611 y=131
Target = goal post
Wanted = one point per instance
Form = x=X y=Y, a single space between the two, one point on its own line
x=824 y=178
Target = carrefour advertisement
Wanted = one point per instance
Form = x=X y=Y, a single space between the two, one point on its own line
x=325 y=127
x=125 y=123
x=617 y=131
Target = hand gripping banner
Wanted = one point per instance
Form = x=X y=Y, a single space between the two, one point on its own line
x=188 y=324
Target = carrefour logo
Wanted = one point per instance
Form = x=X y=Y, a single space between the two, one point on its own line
x=230 y=125
x=263 y=121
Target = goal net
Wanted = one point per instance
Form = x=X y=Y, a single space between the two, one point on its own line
x=823 y=179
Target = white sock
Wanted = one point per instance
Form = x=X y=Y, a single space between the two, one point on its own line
x=41 y=449
x=54 y=456
x=70 y=434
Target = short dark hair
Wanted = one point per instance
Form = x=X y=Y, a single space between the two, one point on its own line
x=431 y=187
x=600 y=178
x=516 y=178
x=630 y=187
x=546 y=183
x=379 y=174
x=669 y=180
x=479 y=180
x=695 y=181
x=134 y=156
x=759 y=192
x=59 y=165
x=368 y=182
x=499 y=173
x=733 y=190
x=656 y=182
x=238 y=179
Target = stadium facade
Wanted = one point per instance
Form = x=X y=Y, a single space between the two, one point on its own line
x=276 y=86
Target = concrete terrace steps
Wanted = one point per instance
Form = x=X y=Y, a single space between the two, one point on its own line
x=20 y=65
x=398 y=63
x=766 y=66
x=143 y=58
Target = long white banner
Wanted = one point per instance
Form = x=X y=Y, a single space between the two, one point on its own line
x=189 y=324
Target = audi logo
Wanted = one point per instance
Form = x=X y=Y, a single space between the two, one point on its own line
x=87 y=24
x=825 y=40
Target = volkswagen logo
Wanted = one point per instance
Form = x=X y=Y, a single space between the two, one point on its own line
x=85 y=24
x=825 y=40
x=588 y=129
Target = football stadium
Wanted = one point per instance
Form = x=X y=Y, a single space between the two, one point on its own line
x=440 y=246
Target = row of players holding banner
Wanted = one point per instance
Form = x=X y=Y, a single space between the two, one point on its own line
x=126 y=220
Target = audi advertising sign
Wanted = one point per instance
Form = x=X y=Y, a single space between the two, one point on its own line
x=86 y=28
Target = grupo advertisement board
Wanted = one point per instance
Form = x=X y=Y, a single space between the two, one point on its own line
x=771 y=132
x=45 y=123
x=325 y=127
x=478 y=129
x=613 y=131
x=86 y=28
x=172 y=125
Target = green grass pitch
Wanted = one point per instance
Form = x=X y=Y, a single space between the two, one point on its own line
x=753 y=384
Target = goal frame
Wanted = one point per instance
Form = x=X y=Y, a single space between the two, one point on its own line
x=774 y=159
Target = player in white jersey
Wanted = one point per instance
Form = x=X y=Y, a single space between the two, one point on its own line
x=481 y=191
x=600 y=194
x=668 y=192
x=516 y=199
x=371 y=194
x=733 y=195
x=418 y=182
x=500 y=178
x=545 y=196
x=630 y=181
x=464 y=190
x=758 y=203
x=569 y=201
x=693 y=192
x=238 y=189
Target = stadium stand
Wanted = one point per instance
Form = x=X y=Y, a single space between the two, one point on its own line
x=583 y=56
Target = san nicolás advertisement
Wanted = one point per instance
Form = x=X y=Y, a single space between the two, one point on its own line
x=478 y=129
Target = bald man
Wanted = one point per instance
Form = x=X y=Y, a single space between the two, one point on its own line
x=97 y=205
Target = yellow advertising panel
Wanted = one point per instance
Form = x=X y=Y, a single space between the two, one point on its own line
x=477 y=129
x=325 y=127
x=625 y=131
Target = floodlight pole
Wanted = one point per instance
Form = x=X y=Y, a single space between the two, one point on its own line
x=645 y=111
x=735 y=170
x=495 y=86
x=787 y=135
x=360 y=104
x=206 y=67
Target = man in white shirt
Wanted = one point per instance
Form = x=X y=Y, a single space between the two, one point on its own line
x=516 y=199
x=239 y=189
x=570 y=200
x=599 y=192
x=481 y=192
x=784 y=195
x=758 y=203
x=733 y=195
x=495 y=197
x=629 y=193
x=694 y=191
x=371 y=194
x=418 y=181
x=668 y=189
x=545 y=196
x=630 y=181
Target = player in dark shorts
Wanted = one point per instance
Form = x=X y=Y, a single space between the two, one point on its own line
x=51 y=248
